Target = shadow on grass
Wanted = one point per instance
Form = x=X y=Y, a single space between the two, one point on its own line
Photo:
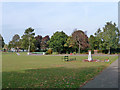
x=59 y=77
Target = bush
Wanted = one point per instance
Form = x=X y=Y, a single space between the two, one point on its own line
x=46 y=53
x=92 y=51
x=99 y=51
x=49 y=51
x=105 y=51
x=74 y=52
x=54 y=53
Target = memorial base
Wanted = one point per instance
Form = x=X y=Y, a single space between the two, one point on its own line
x=86 y=60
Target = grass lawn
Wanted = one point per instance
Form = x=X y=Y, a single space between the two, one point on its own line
x=49 y=71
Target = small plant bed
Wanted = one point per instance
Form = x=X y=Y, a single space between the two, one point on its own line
x=93 y=60
x=86 y=60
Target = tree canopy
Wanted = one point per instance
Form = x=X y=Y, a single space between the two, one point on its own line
x=29 y=33
x=2 y=43
x=15 y=41
x=110 y=35
x=103 y=39
x=57 y=41
x=38 y=42
x=81 y=39
x=44 y=44
x=106 y=38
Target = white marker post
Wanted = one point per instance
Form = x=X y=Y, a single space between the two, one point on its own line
x=89 y=56
x=29 y=47
x=43 y=53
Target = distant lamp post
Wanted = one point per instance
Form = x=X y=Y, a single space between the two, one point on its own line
x=29 y=47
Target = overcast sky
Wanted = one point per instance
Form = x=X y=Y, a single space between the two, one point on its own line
x=49 y=17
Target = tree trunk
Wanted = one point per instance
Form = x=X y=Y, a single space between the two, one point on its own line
x=79 y=48
x=109 y=51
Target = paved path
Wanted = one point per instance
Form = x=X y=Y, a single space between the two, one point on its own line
x=107 y=79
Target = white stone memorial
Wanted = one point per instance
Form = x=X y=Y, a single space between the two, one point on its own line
x=28 y=53
x=89 y=56
x=43 y=53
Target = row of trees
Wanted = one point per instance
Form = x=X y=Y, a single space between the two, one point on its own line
x=36 y=43
x=59 y=42
x=62 y=43
x=105 y=38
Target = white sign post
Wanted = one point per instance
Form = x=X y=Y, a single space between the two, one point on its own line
x=43 y=53
x=29 y=47
x=89 y=56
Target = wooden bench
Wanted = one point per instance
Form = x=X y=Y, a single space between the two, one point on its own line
x=66 y=58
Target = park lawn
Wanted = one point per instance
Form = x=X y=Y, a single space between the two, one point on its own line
x=49 y=71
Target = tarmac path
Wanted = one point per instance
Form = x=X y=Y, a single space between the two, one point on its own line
x=107 y=79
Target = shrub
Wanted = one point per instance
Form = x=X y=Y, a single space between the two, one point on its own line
x=105 y=51
x=99 y=51
x=74 y=52
x=54 y=53
x=67 y=52
x=92 y=51
x=49 y=51
x=46 y=52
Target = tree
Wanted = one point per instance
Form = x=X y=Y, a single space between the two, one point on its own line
x=80 y=39
x=5 y=46
x=69 y=42
x=106 y=39
x=44 y=44
x=15 y=42
x=110 y=36
x=38 y=42
x=70 y=45
x=96 y=41
x=1 y=42
x=16 y=38
x=28 y=36
x=92 y=42
x=10 y=45
x=57 y=41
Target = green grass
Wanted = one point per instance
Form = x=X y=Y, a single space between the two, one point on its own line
x=48 y=71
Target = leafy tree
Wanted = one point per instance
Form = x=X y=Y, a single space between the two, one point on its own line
x=96 y=41
x=10 y=45
x=44 y=44
x=80 y=39
x=1 y=42
x=69 y=42
x=110 y=36
x=106 y=39
x=70 y=45
x=16 y=38
x=6 y=46
x=15 y=42
x=92 y=42
x=27 y=38
x=38 y=42
x=57 y=41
